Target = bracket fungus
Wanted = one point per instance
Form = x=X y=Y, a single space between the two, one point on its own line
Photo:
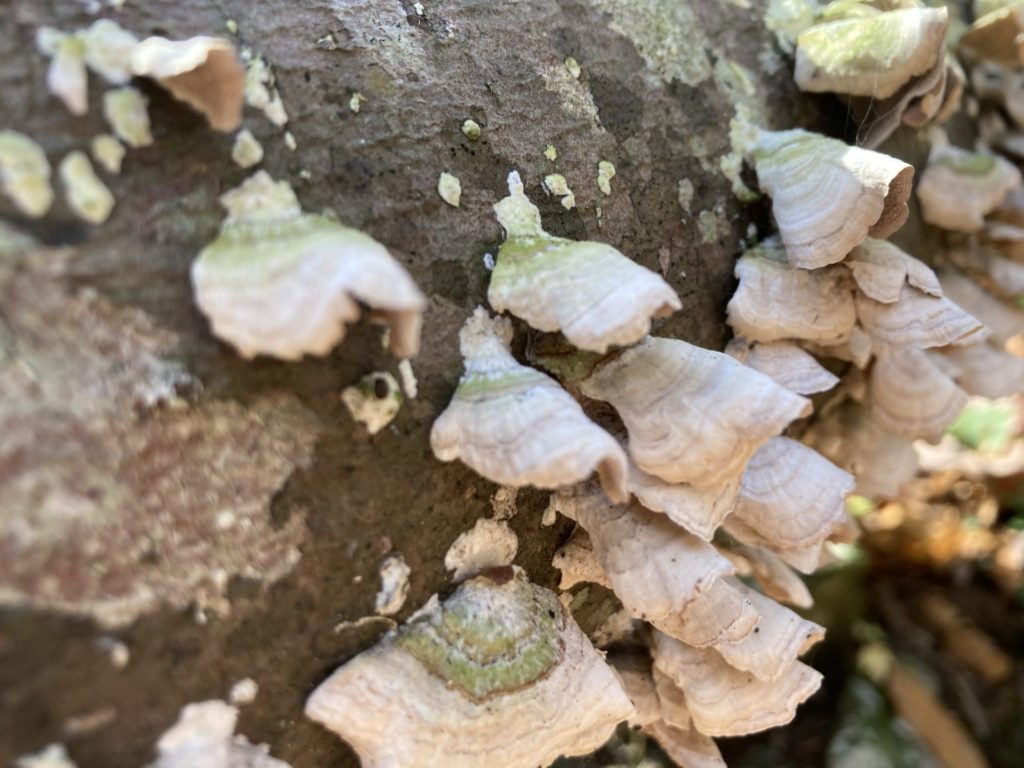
x=497 y=675
x=776 y=301
x=1002 y=321
x=985 y=370
x=589 y=291
x=661 y=573
x=698 y=511
x=828 y=196
x=515 y=425
x=881 y=270
x=281 y=282
x=775 y=577
x=958 y=188
x=204 y=72
x=785 y=363
x=25 y=174
x=911 y=396
x=724 y=701
x=997 y=36
x=693 y=415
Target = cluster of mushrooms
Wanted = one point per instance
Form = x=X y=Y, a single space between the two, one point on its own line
x=693 y=492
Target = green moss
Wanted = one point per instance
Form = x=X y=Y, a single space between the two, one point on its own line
x=489 y=638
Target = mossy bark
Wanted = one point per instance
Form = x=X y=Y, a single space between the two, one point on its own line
x=501 y=64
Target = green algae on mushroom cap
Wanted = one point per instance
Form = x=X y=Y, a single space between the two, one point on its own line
x=498 y=675
x=589 y=291
x=284 y=283
x=515 y=426
x=828 y=196
x=870 y=56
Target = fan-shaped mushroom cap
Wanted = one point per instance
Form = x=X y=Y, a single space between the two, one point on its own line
x=857 y=349
x=724 y=701
x=693 y=415
x=997 y=36
x=828 y=196
x=881 y=270
x=791 y=495
x=987 y=371
x=806 y=559
x=785 y=363
x=671 y=702
x=204 y=72
x=775 y=301
x=661 y=573
x=699 y=512
x=777 y=579
x=687 y=748
x=781 y=637
x=918 y=320
x=283 y=283
x=1001 y=320
x=870 y=56
x=589 y=291
x=959 y=187
x=516 y=426
x=910 y=395
x=25 y=174
x=578 y=563
x=497 y=675
x=880 y=461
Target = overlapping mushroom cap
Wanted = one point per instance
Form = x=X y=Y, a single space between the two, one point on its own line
x=497 y=675
x=997 y=36
x=785 y=363
x=589 y=291
x=828 y=196
x=515 y=425
x=204 y=72
x=284 y=283
x=959 y=187
x=911 y=396
x=693 y=415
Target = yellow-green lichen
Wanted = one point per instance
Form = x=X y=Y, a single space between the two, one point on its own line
x=712 y=225
x=86 y=195
x=25 y=173
x=246 y=151
x=108 y=152
x=557 y=185
x=471 y=129
x=489 y=638
x=125 y=111
x=450 y=189
x=574 y=67
x=605 y=174
x=550 y=152
x=355 y=103
x=788 y=18
x=739 y=85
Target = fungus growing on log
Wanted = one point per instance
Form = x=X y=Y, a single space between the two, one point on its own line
x=958 y=188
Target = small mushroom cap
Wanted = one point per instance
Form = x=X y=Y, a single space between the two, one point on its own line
x=828 y=196
x=870 y=56
x=880 y=461
x=781 y=637
x=687 y=748
x=1001 y=320
x=785 y=363
x=699 y=512
x=25 y=174
x=958 y=188
x=589 y=291
x=661 y=573
x=918 y=320
x=693 y=415
x=204 y=72
x=497 y=675
x=997 y=37
x=515 y=426
x=911 y=397
x=881 y=270
x=724 y=701
x=775 y=301
x=985 y=370
x=791 y=495
x=283 y=283
x=777 y=580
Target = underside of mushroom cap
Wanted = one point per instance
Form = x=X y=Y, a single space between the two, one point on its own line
x=870 y=56
x=204 y=72
x=828 y=196
x=693 y=415
x=516 y=426
x=589 y=291
x=283 y=283
x=497 y=675
x=775 y=301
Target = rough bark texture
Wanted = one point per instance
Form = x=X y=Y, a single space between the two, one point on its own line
x=655 y=97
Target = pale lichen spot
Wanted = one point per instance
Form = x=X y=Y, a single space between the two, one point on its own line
x=356 y=102
x=246 y=151
x=86 y=195
x=244 y=692
x=574 y=67
x=374 y=400
x=108 y=152
x=231 y=26
x=261 y=92
x=418 y=7
x=550 y=152
x=394 y=585
x=605 y=174
x=25 y=173
x=555 y=184
x=685 y=195
x=289 y=141
x=489 y=544
x=471 y=129
x=450 y=189
x=712 y=225
x=125 y=111
x=327 y=43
